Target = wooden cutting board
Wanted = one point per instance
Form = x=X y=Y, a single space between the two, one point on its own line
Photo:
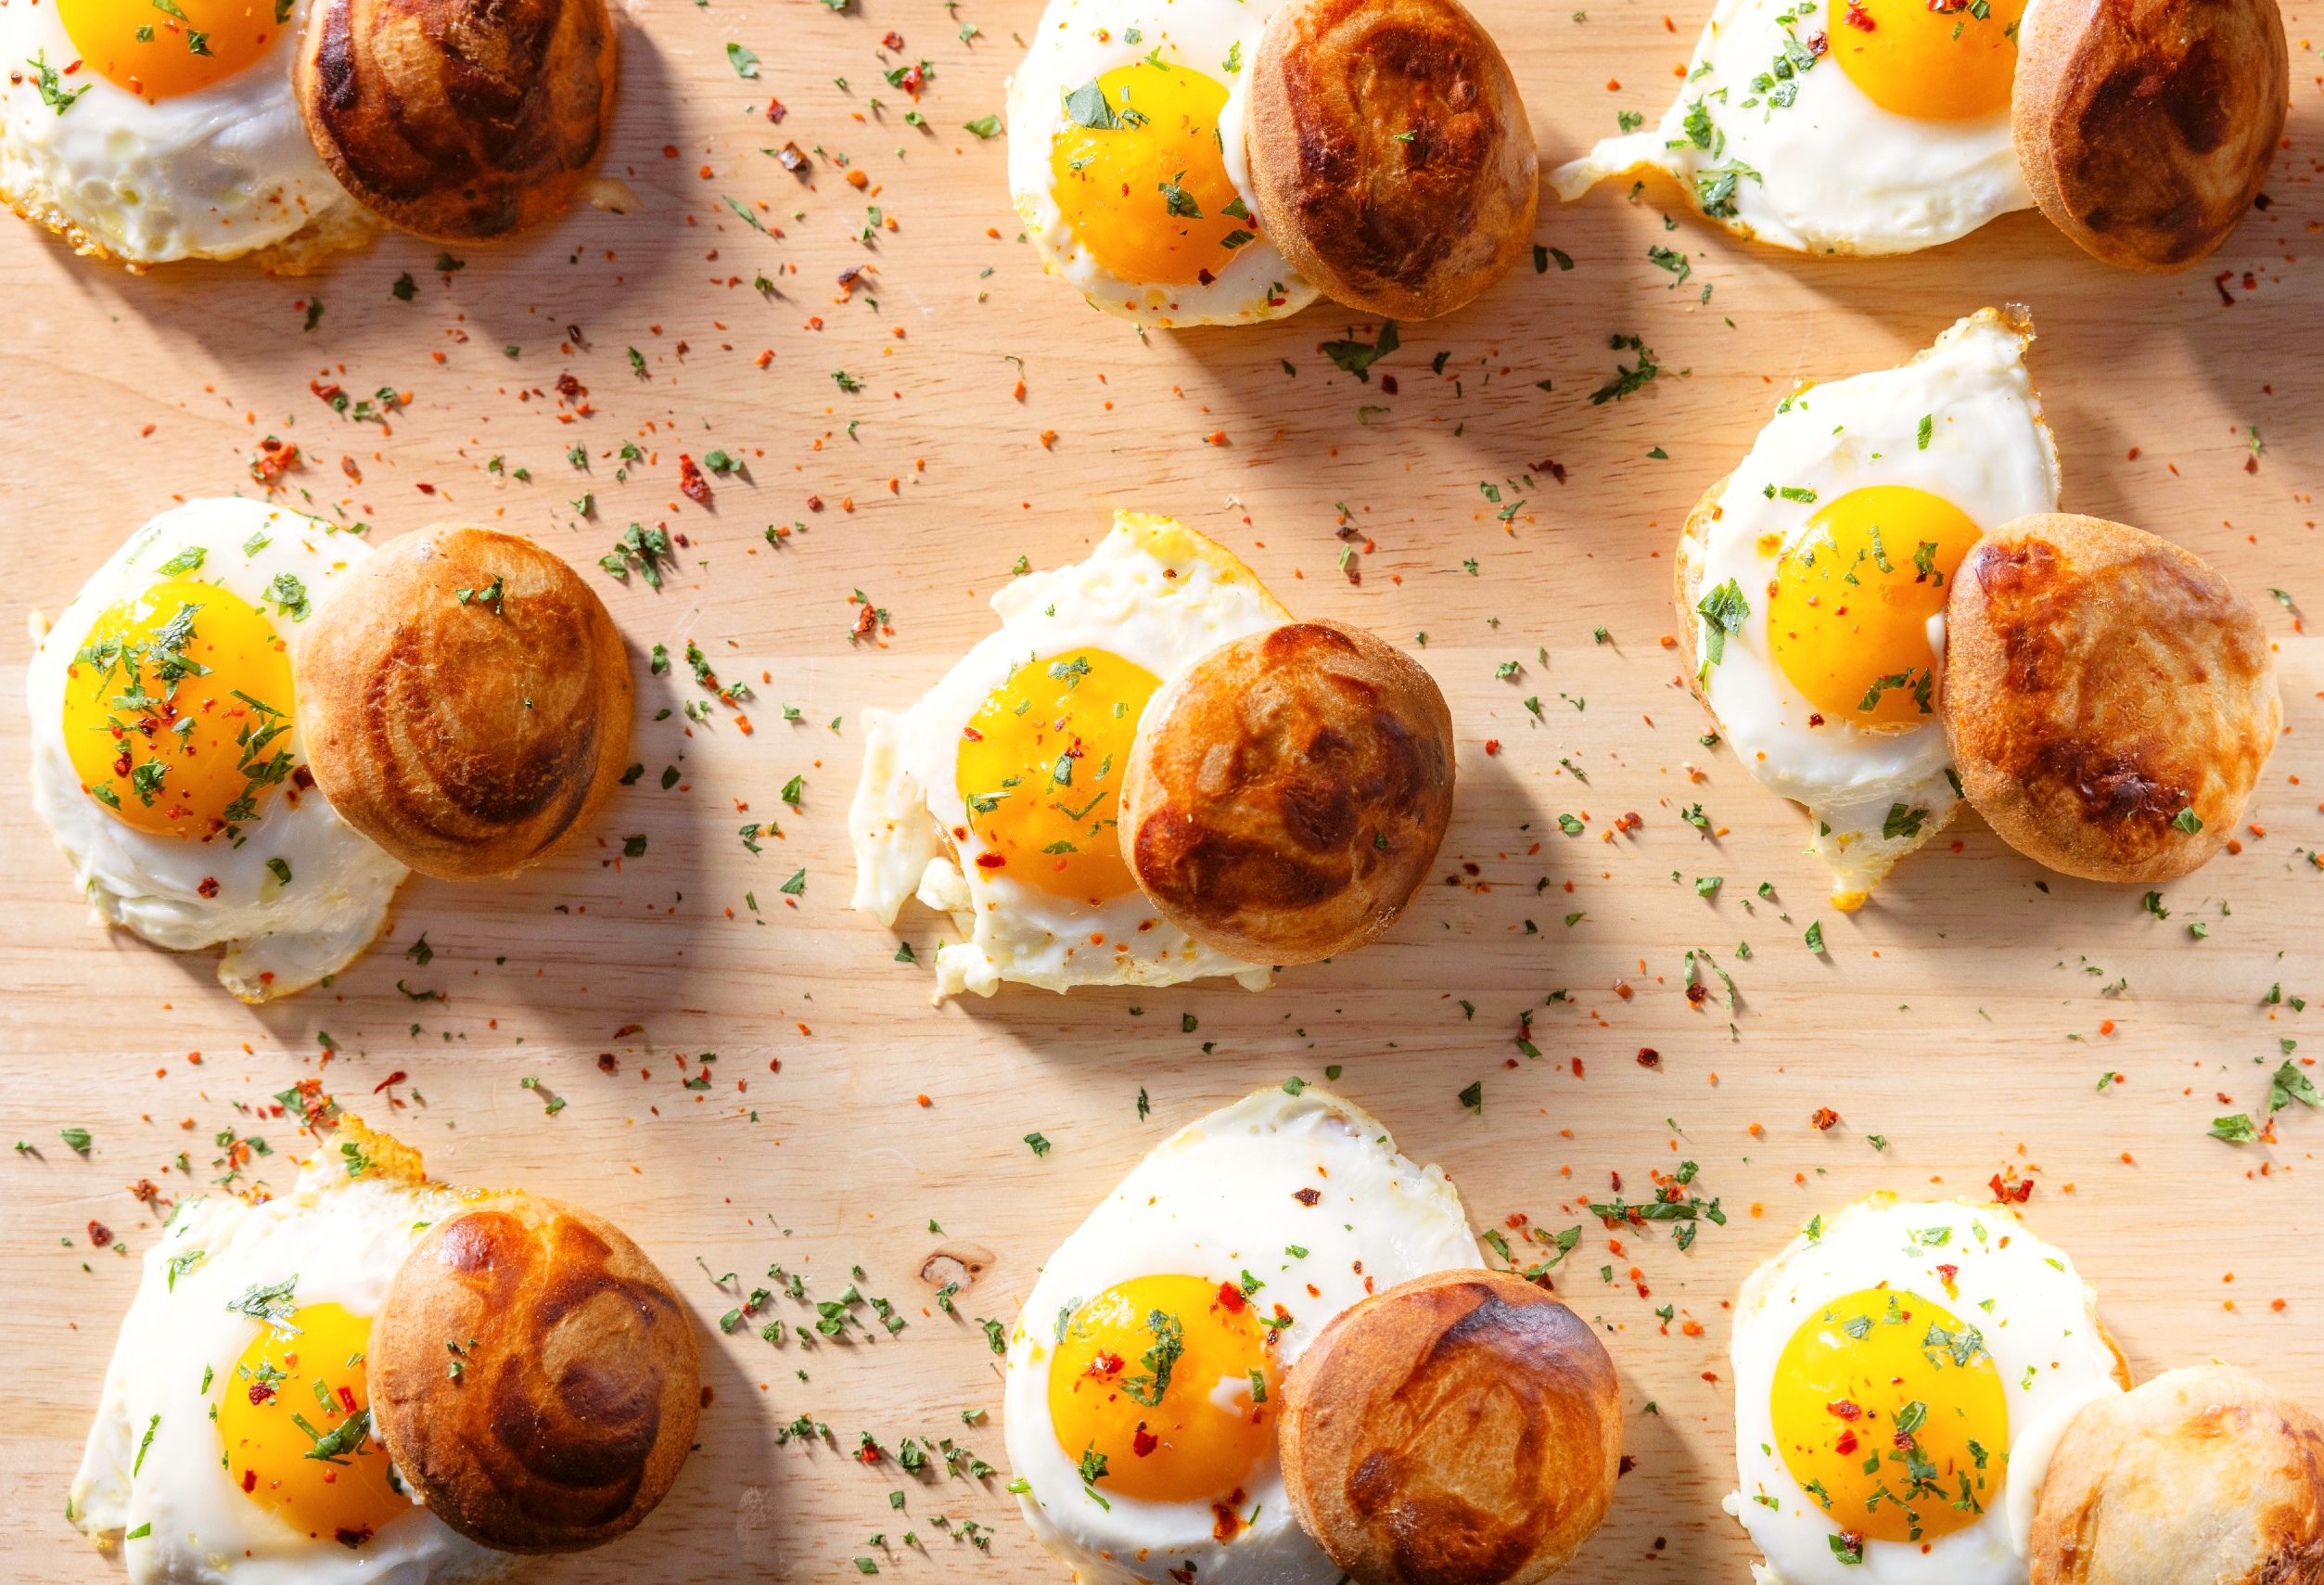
x=1967 y=1017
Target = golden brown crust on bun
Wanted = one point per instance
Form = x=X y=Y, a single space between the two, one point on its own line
x=2108 y=699
x=466 y=701
x=1390 y=156
x=459 y=120
x=1462 y=1428
x=534 y=1378
x=1288 y=791
x=2207 y=1474
x=2145 y=127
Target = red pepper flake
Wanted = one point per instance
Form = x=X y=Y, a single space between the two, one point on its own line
x=775 y=112
x=100 y=1234
x=1143 y=1442
x=259 y=1392
x=990 y=861
x=347 y=1398
x=1843 y=1409
x=894 y=39
x=1862 y=22
x=2015 y=1194
x=1649 y=1057
x=209 y=886
x=249 y=1479
x=1307 y=1197
x=1226 y=1524
x=1232 y=1298
x=1847 y=1444
x=272 y=459
x=1823 y=1120
x=691 y=483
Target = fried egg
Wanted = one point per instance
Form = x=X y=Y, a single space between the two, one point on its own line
x=232 y=1439
x=1902 y=1373
x=167 y=759
x=995 y=797
x=1127 y=165
x=1146 y=1369
x=1819 y=571
x=1838 y=126
x=155 y=130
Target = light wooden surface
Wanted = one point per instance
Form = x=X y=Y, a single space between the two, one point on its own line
x=1967 y=1015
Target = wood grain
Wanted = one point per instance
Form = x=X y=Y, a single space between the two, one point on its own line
x=1967 y=1015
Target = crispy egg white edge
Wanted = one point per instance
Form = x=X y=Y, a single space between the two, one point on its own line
x=1874 y=1229
x=342 y=883
x=1236 y=1161
x=211 y=174
x=1063 y=56
x=1833 y=128
x=904 y=801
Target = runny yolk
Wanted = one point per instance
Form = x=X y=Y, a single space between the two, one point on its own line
x=295 y=1422
x=158 y=48
x=1849 y=606
x=1162 y=1387
x=1934 y=61
x=1136 y=170
x=1890 y=1414
x=174 y=708
x=1041 y=769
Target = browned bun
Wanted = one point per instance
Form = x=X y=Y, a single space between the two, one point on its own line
x=466 y=735
x=1389 y=153
x=458 y=119
x=1287 y=792
x=534 y=1378
x=1462 y=1428
x=2205 y=1475
x=2145 y=127
x=2100 y=683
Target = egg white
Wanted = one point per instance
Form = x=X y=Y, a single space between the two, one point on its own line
x=1837 y=173
x=1076 y=41
x=278 y=938
x=211 y=174
x=1154 y=594
x=2039 y=1322
x=342 y=1238
x=1214 y=1200
x=1990 y=453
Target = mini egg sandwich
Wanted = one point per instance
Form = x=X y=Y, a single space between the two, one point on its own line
x=212 y=128
x=1887 y=618
x=1270 y=1355
x=249 y=726
x=374 y=1376
x=1859 y=127
x=1224 y=162
x=1151 y=773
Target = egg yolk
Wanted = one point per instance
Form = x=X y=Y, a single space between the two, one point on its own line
x=175 y=709
x=1136 y=170
x=1161 y=1389
x=1938 y=60
x=159 y=49
x=1890 y=1414
x=295 y=1422
x=1849 y=606
x=1041 y=770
